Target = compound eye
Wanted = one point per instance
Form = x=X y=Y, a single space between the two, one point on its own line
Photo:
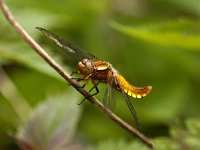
x=80 y=64
x=88 y=65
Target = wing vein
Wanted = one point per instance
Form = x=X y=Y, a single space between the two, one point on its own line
x=66 y=45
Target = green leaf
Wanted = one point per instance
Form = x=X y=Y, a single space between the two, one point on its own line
x=165 y=144
x=191 y=5
x=193 y=126
x=51 y=124
x=23 y=55
x=181 y=137
x=183 y=33
x=119 y=145
x=14 y=49
x=188 y=136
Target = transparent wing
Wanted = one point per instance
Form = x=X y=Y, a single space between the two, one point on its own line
x=129 y=104
x=108 y=99
x=73 y=49
x=132 y=110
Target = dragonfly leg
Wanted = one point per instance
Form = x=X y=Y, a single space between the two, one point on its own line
x=85 y=79
x=74 y=72
x=84 y=84
x=94 y=87
x=81 y=79
x=77 y=80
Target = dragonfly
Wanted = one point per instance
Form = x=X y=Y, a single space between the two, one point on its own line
x=98 y=71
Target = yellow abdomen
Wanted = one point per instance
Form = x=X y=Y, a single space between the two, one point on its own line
x=135 y=92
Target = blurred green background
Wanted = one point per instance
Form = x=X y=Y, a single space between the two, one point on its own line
x=149 y=42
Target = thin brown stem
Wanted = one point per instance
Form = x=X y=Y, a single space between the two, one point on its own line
x=67 y=77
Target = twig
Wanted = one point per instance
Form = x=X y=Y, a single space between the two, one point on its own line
x=67 y=77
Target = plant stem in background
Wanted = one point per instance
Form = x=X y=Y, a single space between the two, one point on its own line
x=10 y=92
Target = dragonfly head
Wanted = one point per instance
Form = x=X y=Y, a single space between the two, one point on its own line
x=86 y=66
